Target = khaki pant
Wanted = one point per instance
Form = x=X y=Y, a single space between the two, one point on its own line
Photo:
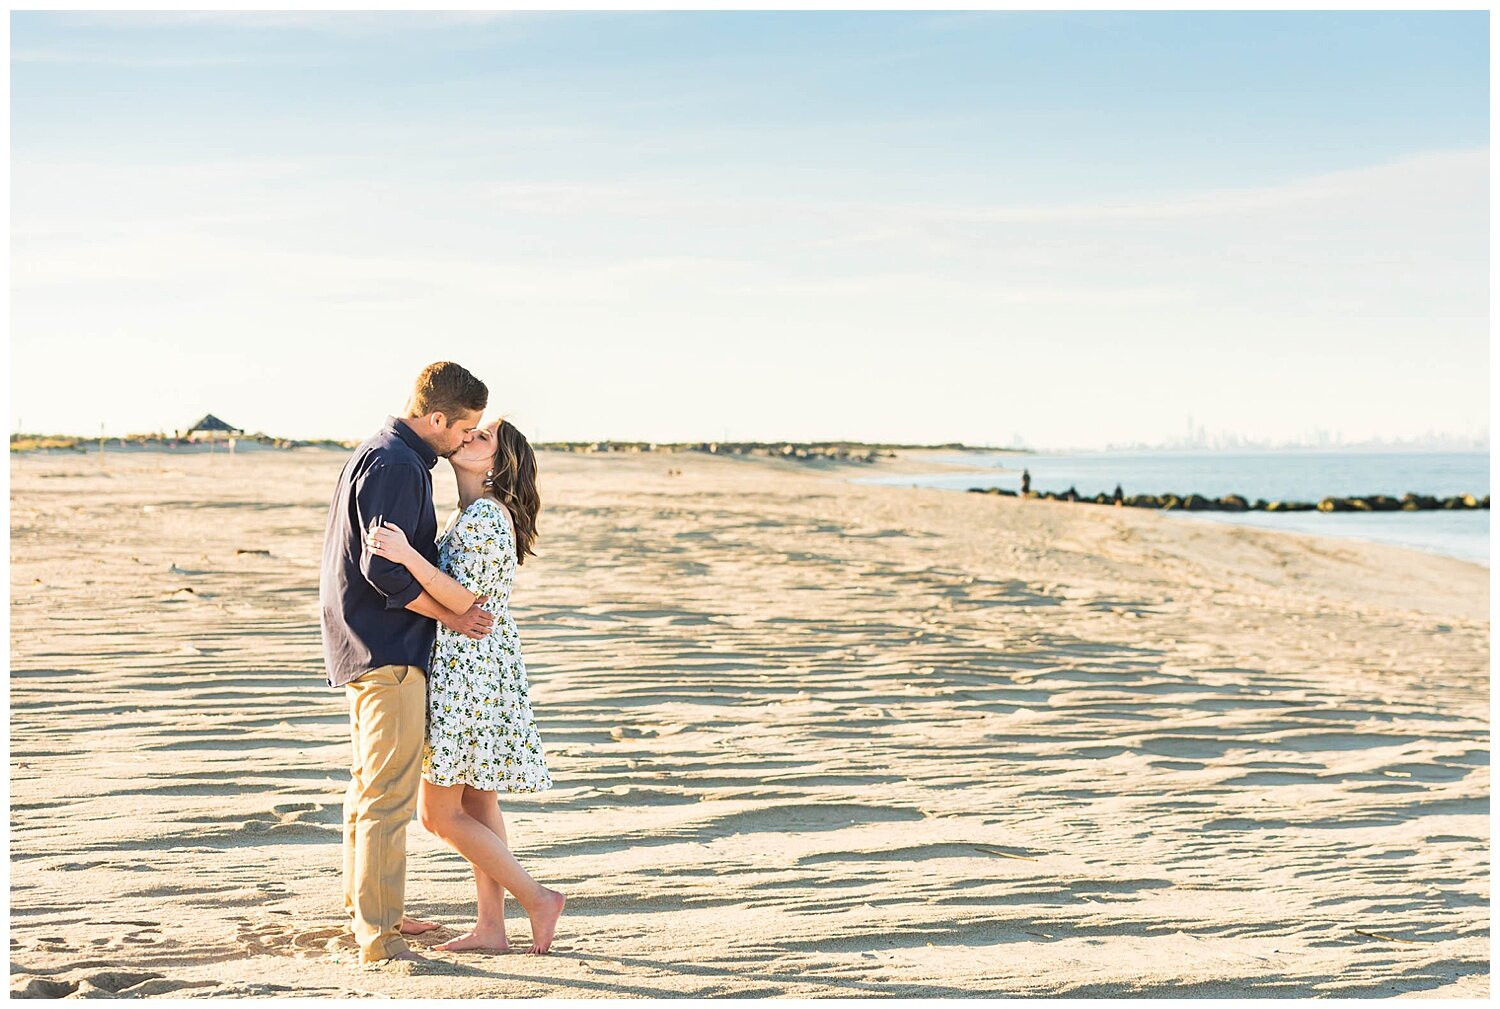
x=387 y=718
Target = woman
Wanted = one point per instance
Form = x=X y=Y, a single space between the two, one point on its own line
x=481 y=736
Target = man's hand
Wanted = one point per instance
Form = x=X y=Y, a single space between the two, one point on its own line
x=475 y=623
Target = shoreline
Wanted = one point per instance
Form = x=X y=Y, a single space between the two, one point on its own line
x=942 y=467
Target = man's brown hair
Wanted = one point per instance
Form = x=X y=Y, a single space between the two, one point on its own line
x=449 y=389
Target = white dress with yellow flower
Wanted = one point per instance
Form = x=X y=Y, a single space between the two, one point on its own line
x=480 y=728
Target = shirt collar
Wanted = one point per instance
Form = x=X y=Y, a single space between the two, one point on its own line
x=403 y=431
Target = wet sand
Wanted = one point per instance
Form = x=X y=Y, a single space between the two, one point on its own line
x=810 y=738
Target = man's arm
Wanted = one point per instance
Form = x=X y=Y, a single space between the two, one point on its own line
x=475 y=623
x=394 y=493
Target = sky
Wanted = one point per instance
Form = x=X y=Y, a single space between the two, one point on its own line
x=1050 y=229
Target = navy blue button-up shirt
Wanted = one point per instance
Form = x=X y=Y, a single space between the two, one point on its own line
x=365 y=620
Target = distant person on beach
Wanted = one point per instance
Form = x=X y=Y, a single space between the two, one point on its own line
x=1119 y=498
x=1025 y=482
x=482 y=737
x=378 y=627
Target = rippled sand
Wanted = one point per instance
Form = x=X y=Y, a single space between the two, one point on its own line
x=810 y=738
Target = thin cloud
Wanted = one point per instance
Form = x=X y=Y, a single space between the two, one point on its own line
x=338 y=22
x=117 y=59
x=1417 y=173
x=1422 y=195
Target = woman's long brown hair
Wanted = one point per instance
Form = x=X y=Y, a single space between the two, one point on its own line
x=514 y=483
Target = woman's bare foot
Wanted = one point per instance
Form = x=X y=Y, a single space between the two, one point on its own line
x=415 y=926
x=544 y=920
x=487 y=939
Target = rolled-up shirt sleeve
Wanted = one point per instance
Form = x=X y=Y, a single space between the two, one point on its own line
x=389 y=494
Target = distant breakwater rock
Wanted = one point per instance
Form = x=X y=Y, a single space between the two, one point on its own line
x=1237 y=503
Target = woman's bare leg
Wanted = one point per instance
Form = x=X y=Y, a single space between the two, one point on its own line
x=441 y=811
x=488 y=932
x=485 y=807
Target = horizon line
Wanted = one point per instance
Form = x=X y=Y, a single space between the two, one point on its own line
x=1436 y=442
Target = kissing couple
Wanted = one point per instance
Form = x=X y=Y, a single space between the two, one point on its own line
x=418 y=632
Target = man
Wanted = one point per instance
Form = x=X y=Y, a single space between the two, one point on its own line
x=378 y=629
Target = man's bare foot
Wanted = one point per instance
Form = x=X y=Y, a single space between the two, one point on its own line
x=544 y=920
x=486 y=939
x=416 y=926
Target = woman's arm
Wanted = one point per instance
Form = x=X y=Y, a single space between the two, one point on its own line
x=389 y=541
x=474 y=624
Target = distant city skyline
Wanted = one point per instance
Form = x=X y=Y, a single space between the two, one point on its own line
x=1224 y=441
x=1199 y=437
x=888 y=227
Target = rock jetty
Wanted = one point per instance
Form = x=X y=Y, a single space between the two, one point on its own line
x=1237 y=503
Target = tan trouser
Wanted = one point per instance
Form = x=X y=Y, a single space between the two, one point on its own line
x=387 y=717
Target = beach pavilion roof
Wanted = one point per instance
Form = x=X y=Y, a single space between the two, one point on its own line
x=211 y=423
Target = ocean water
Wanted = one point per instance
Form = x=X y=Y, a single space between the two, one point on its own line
x=1287 y=476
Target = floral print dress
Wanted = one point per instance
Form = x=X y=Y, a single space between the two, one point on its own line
x=480 y=729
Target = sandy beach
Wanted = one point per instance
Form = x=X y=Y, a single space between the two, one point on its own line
x=810 y=738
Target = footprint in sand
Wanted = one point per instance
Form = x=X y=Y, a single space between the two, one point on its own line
x=271 y=937
x=279 y=938
x=310 y=812
x=101 y=984
x=124 y=984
